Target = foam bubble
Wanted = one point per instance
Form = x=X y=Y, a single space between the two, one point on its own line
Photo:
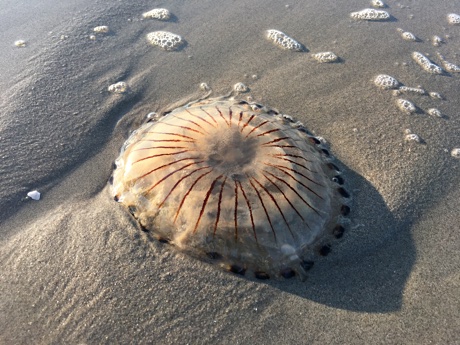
x=20 y=43
x=165 y=40
x=378 y=4
x=413 y=137
x=386 y=82
x=103 y=29
x=436 y=41
x=120 y=87
x=204 y=87
x=370 y=14
x=448 y=66
x=455 y=152
x=157 y=13
x=453 y=19
x=325 y=57
x=434 y=112
x=408 y=89
x=407 y=36
x=426 y=64
x=282 y=40
x=240 y=87
x=406 y=106
x=435 y=95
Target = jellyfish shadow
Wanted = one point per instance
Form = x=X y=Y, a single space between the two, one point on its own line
x=367 y=269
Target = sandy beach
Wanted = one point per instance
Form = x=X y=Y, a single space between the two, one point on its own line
x=75 y=267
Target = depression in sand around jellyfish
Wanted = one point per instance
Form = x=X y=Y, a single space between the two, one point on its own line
x=234 y=183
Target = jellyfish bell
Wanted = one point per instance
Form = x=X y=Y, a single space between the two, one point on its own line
x=235 y=183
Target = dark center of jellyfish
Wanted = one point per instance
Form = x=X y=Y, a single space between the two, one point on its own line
x=231 y=153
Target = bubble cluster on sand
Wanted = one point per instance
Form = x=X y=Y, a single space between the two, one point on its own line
x=426 y=64
x=103 y=29
x=157 y=13
x=120 y=87
x=436 y=40
x=434 y=112
x=435 y=95
x=407 y=36
x=448 y=66
x=240 y=87
x=378 y=4
x=412 y=136
x=325 y=57
x=370 y=14
x=453 y=19
x=408 y=89
x=20 y=43
x=204 y=87
x=455 y=152
x=406 y=106
x=282 y=40
x=165 y=40
x=386 y=82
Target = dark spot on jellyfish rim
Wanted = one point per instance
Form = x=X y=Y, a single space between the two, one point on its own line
x=214 y=255
x=237 y=269
x=325 y=250
x=116 y=198
x=111 y=180
x=343 y=192
x=307 y=264
x=304 y=130
x=261 y=275
x=338 y=179
x=114 y=165
x=132 y=209
x=143 y=228
x=272 y=112
x=242 y=102
x=345 y=210
x=164 y=240
x=338 y=231
x=287 y=273
x=326 y=152
x=332 y=166
x=314 y=141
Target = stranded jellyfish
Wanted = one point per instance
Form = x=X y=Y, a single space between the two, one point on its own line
x=234 y=183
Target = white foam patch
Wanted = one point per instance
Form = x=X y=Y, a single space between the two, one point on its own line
x=120 y=87
x=453 y=19
x=406 y=106
x=282 y=40
x=325 y=57
x=157 y=13
x=165 y=40
x=370 y=14
x=386 y=82
x=426 y=64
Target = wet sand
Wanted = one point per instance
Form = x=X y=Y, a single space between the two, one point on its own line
x=75 y=268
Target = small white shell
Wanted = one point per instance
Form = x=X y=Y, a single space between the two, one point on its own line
x=34 y=195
